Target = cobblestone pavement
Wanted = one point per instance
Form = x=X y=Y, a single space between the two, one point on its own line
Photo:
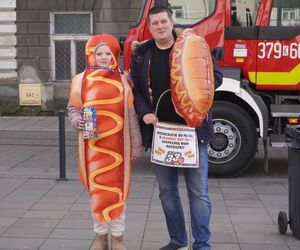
x=39 y=212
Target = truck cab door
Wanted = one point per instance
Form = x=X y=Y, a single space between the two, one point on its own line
x=206 y=17
x=241 y=33
x=278 y=48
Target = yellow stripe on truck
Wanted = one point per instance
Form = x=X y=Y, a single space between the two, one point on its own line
x=276 y=78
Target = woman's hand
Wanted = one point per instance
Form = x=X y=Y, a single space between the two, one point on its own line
x=80 y=124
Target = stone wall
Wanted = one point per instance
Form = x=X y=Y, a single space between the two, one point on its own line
x=30 y=49
x=8 y=63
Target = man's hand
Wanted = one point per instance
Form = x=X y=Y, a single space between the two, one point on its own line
x=149 y=119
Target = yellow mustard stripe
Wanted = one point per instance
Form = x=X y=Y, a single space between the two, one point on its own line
x=277 y=78
x=176 y=76
x=118 y=159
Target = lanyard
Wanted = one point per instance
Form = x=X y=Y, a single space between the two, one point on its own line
x=101 y=67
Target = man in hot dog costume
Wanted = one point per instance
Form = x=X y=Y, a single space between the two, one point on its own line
x=105 y=159
x=150 y=71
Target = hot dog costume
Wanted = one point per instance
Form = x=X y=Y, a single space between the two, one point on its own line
x=104 y=162
x=192 y=78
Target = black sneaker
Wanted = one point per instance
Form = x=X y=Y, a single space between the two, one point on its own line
x=173 y=246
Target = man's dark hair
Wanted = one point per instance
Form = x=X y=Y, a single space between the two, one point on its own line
x=159 y=9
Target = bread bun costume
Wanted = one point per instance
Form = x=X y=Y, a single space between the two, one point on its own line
x=104 y=162
x=192 y=77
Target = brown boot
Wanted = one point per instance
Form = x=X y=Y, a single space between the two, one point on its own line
x=117 y=243
x=100 y=242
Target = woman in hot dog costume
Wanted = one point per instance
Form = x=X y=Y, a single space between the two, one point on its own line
x=105 y=161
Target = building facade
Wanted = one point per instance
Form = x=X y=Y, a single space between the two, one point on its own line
x=42 y=47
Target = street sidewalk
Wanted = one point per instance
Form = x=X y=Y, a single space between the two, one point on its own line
x=39 y=212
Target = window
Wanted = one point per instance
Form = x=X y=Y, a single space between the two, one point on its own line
x=178 y=12
x=191 y=11
x=243 y=13
x=70 y=32
x=285 y=13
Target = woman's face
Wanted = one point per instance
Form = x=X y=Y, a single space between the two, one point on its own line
x=103 y=55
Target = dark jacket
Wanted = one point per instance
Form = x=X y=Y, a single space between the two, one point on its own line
x=139 y=73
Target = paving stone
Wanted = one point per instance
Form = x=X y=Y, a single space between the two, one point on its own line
x=8 y=185
x=29 y=232
x=218 y=208
x=230 y=183
x=251 y=219
x=270 y=189
x=58 y=199
x=216 y=246
x=47 y=214
x=52 y=206
x=156 y=226
x=132 y=235
x=137 y=208
x=244 y=203
x=161 y=236
x=221 y=227
x=273 y=199
x=291 y=240
x=132 y=244
x=137 y=195
x=7 y=222
x=2 y=230
x=266 y=238
x=21 y=243
x=255 y=228
x=139 y=201
x=220 y=218
x=151 y=245
x=157 y=217
x=241 y=196
x=15 y=204
x=78 y=215
x=237 y=190
x=216 y=196
x=36 y=223
x=81 y=207
x=75 y=224
x=65 y=244
x=66 y=233
x=223 y=237
x=135 y=224
x=263 y=247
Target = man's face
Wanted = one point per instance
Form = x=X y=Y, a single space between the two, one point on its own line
x=161 y=26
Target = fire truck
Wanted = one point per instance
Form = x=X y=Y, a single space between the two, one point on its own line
x=257 y=46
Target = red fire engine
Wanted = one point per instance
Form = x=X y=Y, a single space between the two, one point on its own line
x=257 y=45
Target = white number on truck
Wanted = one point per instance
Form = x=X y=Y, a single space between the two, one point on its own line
x=277 y=50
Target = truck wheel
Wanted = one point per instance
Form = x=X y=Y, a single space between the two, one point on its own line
x=234 y=146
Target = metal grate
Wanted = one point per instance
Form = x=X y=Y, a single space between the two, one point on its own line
x=80 y=56
x=62 y=60
x=72 y=24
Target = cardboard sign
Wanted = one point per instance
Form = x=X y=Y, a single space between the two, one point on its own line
x=175 y=146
